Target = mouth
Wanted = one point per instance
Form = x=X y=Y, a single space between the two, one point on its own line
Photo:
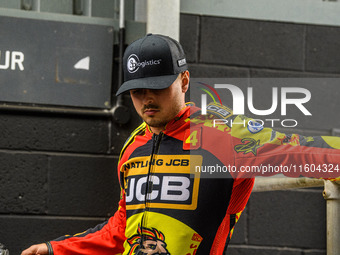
x=150 y=111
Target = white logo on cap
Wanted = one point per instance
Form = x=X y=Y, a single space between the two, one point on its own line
x=133 y=63
x=181 y=62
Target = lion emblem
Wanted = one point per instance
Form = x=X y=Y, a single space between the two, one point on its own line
x=147 y=242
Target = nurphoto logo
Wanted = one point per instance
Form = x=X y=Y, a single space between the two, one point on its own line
x=241 y=100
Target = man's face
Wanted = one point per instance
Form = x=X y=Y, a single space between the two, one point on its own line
x=158 y=106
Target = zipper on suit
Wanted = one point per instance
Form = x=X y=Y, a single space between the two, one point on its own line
x=148 y=187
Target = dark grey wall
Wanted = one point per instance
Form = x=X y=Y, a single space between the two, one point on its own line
x=281 y=222
x=246 y=47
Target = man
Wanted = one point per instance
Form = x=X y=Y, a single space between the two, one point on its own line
x=168 y=204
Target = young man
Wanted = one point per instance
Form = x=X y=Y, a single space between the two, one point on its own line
x=167 y=206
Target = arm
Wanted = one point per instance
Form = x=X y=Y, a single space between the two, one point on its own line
x=37 y=249
x=239 y=197
x=291 y=154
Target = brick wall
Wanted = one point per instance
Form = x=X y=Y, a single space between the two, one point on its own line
x=282 y=222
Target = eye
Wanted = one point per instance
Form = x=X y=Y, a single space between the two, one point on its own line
x=152 y=246
x=136 y=91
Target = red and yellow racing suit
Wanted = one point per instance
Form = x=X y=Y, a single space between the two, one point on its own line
x=182 y=191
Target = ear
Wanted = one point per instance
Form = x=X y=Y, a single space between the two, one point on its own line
x=185 y=81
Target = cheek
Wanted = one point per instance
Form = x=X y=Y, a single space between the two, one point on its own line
x=136 y=104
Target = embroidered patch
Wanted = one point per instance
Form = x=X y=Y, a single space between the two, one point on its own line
x=254 y=127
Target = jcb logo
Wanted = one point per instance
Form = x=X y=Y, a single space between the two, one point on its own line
x=170 y=185
x=160 y=189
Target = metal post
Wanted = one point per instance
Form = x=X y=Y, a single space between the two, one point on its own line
x=36 y=5
x=121 y=113
x=121 y=44
x=163 y=17
x=332 y=195
x=87 y=10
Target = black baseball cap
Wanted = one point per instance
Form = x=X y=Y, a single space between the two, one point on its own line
x=152 y=62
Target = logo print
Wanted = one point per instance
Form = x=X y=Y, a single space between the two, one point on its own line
x=132 y=63
x=289 y=139
x=207 y=88
x=147 y=242
x=254 y=127
x=173 y=188
x=249 y=145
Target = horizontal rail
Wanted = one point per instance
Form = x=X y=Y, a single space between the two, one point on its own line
x=58 y=110
x=119 y=113
x=331 y=194
x=283 y=183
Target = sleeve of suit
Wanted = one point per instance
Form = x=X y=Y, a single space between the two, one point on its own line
x=266 y=152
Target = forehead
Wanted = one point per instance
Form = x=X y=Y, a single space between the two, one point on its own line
x=153 y=91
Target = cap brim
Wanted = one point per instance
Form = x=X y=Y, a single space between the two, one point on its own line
x=155 y=82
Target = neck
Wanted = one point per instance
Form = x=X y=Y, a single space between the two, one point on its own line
x=157 y=130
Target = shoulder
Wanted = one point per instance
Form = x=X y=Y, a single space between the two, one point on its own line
x=140 y=130
x=216 y=118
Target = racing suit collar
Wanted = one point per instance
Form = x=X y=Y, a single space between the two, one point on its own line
x=181 y=119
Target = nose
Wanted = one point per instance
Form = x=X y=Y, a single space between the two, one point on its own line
x=148 y=96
